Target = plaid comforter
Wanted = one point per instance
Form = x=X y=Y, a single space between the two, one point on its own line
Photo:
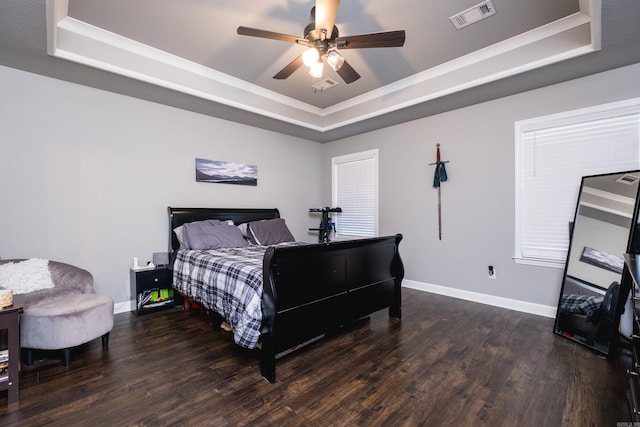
x=581 y=304
x=228 y=281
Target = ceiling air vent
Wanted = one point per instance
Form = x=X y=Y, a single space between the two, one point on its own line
x=628 y=179
x=324 y=85
x=474 y=14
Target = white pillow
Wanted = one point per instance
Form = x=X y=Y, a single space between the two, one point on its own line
x=26 y=276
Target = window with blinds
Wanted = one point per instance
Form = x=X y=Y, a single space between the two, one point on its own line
x=355 y=190
x=552 y=155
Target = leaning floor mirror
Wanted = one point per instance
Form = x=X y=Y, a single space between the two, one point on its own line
x=601 y=233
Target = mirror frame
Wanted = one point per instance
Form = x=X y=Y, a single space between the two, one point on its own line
x=632 y=246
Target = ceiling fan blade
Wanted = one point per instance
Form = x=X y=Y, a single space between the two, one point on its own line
x=289 y=69
x=348 y=74
x=385 y=39
x=326 y=12
x=254 y=32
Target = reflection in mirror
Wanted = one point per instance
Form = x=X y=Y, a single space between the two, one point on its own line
x=600 y=236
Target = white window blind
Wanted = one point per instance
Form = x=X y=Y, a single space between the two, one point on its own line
x=355 y=190
x=553 y=155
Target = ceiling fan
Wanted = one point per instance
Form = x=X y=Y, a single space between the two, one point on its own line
x=322 y=38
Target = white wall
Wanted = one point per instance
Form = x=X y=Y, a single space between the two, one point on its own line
x=87 y=175
x=478 y=199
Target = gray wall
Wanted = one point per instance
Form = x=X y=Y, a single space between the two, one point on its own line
x=87 y=176
x=478 y=199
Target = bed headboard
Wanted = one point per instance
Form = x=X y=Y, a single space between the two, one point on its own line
x=179 y=216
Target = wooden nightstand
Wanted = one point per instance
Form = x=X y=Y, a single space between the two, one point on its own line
x=151 y=290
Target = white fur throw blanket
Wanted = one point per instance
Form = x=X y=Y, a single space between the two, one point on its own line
x=26 y=276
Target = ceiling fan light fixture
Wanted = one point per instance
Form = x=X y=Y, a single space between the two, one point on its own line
x=321 y=36
x=310 y=57
x=316 y=69
x=335 y=60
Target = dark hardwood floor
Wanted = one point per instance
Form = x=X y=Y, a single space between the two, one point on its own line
x=448 y=362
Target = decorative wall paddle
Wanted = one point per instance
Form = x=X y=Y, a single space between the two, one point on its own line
x=439 y=176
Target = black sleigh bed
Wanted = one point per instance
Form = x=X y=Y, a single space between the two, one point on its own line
x=304 y=290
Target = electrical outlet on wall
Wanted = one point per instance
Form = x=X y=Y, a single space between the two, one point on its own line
x=492 y=272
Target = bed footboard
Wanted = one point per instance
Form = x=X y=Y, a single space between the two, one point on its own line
x=313 y=289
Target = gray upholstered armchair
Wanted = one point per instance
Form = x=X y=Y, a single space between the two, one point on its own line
x=65 y=316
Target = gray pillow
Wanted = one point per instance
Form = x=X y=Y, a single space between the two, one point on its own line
x=203 y=226
x=270 y=232
x=212 y=234
x=178 y=231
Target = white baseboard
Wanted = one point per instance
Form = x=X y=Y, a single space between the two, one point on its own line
x=511 y=304
x=123 y=307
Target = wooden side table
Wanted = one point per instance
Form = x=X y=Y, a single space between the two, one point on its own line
x=10 y=320
x=156 y=279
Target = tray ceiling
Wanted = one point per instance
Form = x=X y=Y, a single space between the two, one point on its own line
x=191 y=47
